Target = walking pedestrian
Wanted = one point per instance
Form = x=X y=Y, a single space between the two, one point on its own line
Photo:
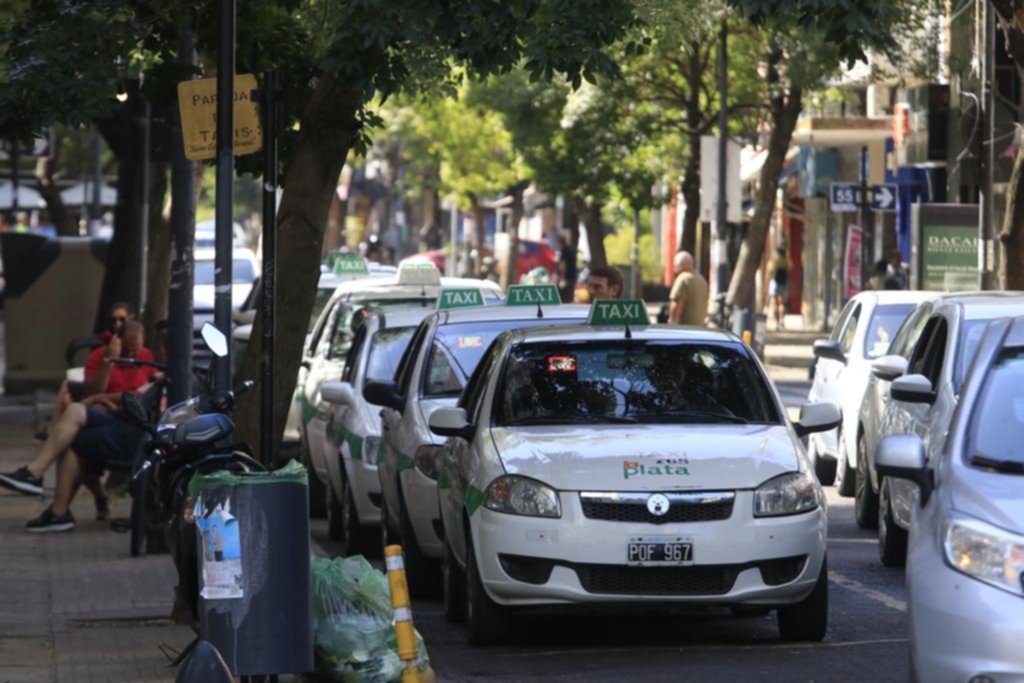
x=688 y=300
x=778 y=286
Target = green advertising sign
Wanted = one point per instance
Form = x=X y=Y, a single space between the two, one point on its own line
x=949 y=258
x=619 y=312
x=350 y=264
x=459 y=298
x=532 y=295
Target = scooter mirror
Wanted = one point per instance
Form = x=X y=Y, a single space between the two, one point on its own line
x=130 y=403
x=215 y=340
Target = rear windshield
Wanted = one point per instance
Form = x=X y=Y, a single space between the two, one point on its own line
x=885 y=322
x=386 y=351
x=632 y=381
x=998 y=420
x=457 y=349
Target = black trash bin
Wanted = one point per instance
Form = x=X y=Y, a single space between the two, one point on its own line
x=255 y=603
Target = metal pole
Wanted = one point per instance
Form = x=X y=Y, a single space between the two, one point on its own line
x=14 y=179
x=721 y=221
x=97 y=183
x=454 y=229
x=183 y=228
x=866 y=234
x=225 y=171
x=269 y=105
x=144 y=222
x=986 y=225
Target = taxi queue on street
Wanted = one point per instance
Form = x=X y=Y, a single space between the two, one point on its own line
x=526 y=453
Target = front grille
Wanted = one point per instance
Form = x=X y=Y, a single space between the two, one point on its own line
x=624 y=580
x=683 y=508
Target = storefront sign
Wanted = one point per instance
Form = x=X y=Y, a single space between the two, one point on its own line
x=946 y=241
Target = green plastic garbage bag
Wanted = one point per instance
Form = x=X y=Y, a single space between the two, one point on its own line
x=353 y=623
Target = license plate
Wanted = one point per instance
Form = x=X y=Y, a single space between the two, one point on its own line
x=659 y=550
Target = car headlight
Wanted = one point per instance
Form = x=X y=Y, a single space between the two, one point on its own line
x=371 y=445
x=788 y=494
x=521 y=496
x=986 y=553
x=426 y=460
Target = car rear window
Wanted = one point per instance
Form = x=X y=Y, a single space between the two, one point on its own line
x=632 y=381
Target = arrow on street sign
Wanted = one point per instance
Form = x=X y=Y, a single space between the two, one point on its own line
x=883 y=197
x=845 y=197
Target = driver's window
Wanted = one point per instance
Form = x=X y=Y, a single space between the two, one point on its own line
x=343 y=334
x=841 y=322
x=935 y=357
x=318 y=332
x=917 y=358
x=441 y=377
x=476 y=387
x=906 y=336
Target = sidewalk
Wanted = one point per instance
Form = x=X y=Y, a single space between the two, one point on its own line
x=76 y=606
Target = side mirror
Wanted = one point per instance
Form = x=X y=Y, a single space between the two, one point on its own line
x=339 y=393
x=829 y=348
x=913 y=389
x=384 y=394
x=902 y=456
x=888 y=368
x=131 y=405
x=449 y=422
x=817 y=417
x=215 y=340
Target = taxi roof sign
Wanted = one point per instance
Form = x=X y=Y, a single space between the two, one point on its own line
x=618 y=312
x=459 y=298
x=350 y=264
x=422 y=273
x=533 y=295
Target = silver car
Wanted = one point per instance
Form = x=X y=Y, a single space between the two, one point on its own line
x=965 y=565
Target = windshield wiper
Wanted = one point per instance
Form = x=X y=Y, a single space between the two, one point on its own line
x=697 y=415
x=568 y=420
x=1008 y=466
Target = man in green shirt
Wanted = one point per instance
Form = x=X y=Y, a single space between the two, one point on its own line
x=689 y=296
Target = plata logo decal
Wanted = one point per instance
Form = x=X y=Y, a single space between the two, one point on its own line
x=658 y=505
x=633 y=468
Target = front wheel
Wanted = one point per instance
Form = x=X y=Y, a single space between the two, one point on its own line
x=824 y=469
x=846 y=476
x=487 y=622
x=892 y=538
x=343 y=521
x=807 y=620
x=865 y=504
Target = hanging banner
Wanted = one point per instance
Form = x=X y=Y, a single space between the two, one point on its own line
x=852 y=260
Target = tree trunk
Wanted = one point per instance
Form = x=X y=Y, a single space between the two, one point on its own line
x=59 y=214
x=510 y=269
x=158 y=257
x=691 y=195
x=328 y=130
x=590 y=214
x=785 y=110
x=1013 y=226
x=121 y=277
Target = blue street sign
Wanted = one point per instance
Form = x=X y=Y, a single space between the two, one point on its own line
x=845 y=197
x=883 y=197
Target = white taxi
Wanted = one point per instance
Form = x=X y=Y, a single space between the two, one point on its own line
x=329 y=342
x=443 y=354
x=347 y=428
x=618 y=463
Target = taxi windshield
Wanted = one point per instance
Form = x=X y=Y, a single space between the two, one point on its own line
x=631 y=381
x=998 y=419
x=386 y=351
x=458 y=348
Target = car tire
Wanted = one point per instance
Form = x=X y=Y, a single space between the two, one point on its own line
x=824 y=470
x=807 y=620
x=453 y=582
x=422 y=573
x=846 y=476
x=487 y=622
x=343 y=522
x=317 y=490
x=892 y=538
x=865 y=500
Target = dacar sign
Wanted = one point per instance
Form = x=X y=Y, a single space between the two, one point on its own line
x=618 y=312
x=532 y=295
x=459 y=298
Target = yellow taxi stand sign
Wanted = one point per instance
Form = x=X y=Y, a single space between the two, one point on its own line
x=197 y=103
x=404 y=631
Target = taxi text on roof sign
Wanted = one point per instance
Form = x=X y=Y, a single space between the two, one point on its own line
x=531 y=295
x=350 y=264
x=459 y=298
x=619 y=312
x=197 y=102
x=421 y=273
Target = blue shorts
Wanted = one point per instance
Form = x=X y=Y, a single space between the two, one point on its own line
x=105 y=438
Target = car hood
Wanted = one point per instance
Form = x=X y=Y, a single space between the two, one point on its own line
x=648 y=457
x=989 y=496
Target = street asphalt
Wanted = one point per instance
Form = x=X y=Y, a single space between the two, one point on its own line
x=866 y=640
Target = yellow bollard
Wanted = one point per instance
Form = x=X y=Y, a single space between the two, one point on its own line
x=404 y=631
x=748 y=337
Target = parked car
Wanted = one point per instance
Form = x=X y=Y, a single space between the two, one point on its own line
x=862 y=333
x=206 y=235
x=965 y=565
x=924 y=400
x=244 y=271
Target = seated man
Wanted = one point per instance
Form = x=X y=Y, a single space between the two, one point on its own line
x=91 y=413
